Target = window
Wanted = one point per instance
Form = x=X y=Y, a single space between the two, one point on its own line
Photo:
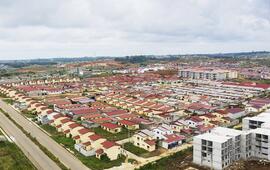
x=203 y=154
x=204 y=142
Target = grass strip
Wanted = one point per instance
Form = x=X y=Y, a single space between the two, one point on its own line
x=33 y=139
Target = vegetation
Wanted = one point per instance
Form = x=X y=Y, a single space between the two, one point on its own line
x=92 y=162
x=3 y=95
x=11 y=157
x=125 y=133
x=44 y=149
x=9 y=101
x=134 y=149
x=28 y=113
x=97 y=164
x=163 y=163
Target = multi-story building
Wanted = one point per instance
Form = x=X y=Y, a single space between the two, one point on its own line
x=260 y=143
x=256 y=121
x=219 y=148
x=223 y=146
x=212 y=150
x=209 y=74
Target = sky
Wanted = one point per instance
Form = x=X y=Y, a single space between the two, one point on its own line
x=77 y=28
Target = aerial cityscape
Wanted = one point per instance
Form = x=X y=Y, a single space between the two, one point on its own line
x=135 y=85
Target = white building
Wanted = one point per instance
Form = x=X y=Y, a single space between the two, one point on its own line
x=209 y=74
x=212 y=150
x=260 y=143
x=223 y=146
x=256 y=121
x=161 y=131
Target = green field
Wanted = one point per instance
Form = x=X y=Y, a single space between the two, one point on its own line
x=12 y=158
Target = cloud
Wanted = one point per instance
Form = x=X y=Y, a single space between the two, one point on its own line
x=52 y=28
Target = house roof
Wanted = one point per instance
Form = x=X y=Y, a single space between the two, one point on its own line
x=92 y=116
x=108 y=144
x=87 y=143
x=99 y=151
x=116 y=112
x=110 y=125
x=73 y=125
x=235 y=110
x=126 y=122
x=94 y=137
x=76 y=137
x=84 y=131
x=65 y=120
x=150 y=142
x=196 y=119
x=173 y=138
x=127 y=116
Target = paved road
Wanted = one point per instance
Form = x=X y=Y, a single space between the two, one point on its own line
x=64 y=156
x=34 y=154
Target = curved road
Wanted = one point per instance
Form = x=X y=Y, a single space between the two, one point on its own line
x=29 y=148
x=62 y=154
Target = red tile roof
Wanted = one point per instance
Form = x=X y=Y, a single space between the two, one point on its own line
x=126 y=122
x=76 y=137
x=109 y=125
x=174 y=138
x=87 y=143
x=84 y=131
x=235 y=110
x=94 y=137
x=108 y=144
x=73 y=125
x=150 y=142
x=99 y=151
x=116 y=112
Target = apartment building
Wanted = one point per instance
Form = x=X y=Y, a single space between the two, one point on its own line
x=223 y=146
x=256 y=121
x=212 y=150
x=209 y=74
x=260 y=142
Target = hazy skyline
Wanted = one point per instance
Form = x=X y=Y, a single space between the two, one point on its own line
x=59 y=28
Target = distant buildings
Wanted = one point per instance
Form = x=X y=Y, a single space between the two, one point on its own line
x=209 y=74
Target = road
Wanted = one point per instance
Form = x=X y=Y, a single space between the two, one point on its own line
x=29 y=148
x=61 y=153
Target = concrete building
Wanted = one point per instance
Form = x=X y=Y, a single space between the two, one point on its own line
x=209 y=74
x=260 y=143
x=223 y=146
x=256 y=121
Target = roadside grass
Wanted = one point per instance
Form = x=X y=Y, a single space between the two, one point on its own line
x=125 y=133
x=58 y=137
x=33 y=139
x=92 y=162
x=11 y=157
x=28 y=114
x=134 y=149
x=9 y=101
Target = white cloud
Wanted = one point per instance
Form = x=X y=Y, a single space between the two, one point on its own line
x=51 y=28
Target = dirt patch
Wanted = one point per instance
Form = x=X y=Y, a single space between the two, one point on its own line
x=250 y=165
x=184 y=163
